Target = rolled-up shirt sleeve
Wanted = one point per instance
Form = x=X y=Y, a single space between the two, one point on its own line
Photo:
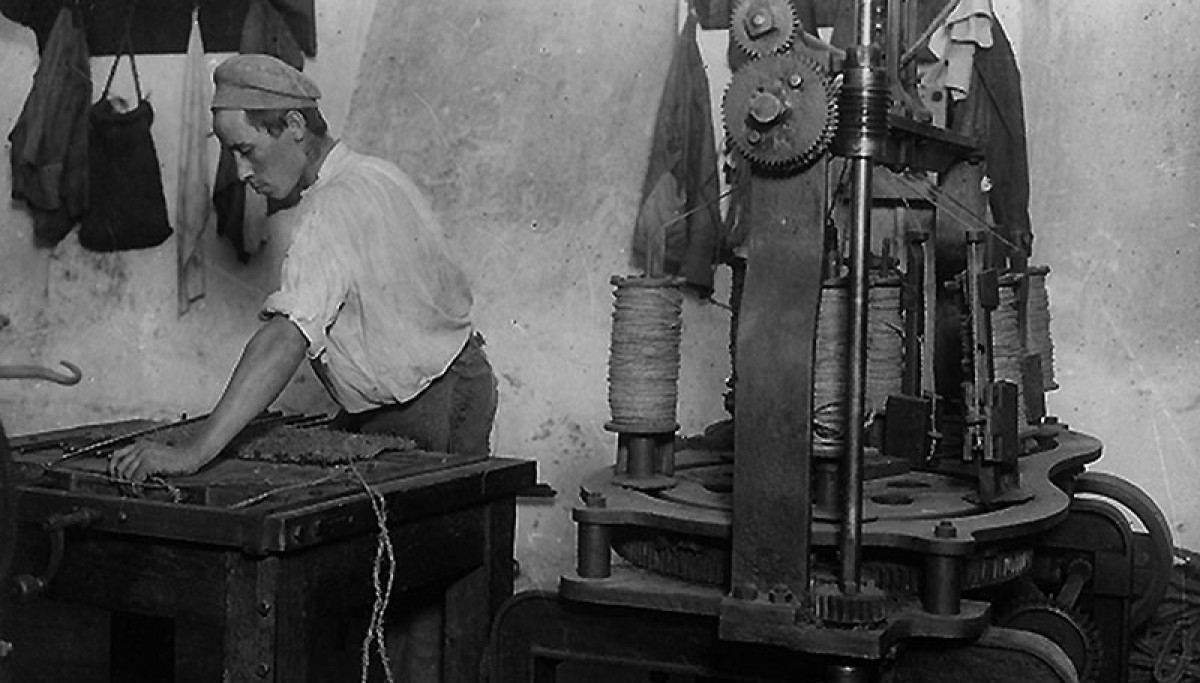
x=313 y=285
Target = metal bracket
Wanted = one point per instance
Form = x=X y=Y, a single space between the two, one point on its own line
x=28 y=586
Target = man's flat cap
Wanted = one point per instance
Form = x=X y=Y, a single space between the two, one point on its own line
x=261 y=82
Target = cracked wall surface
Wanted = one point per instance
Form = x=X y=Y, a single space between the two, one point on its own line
x=528 y=123
x=1111 y=104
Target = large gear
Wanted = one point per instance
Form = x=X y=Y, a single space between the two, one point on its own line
x=780 y=112
x=764 y=27
x=1070 y=629
x=704 y=560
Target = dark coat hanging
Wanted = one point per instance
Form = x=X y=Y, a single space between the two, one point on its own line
x=50 y=138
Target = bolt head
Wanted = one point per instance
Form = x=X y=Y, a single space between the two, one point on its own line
x=945 y=529
x=765 y=107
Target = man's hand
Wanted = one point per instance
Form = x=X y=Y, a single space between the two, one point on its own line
x=147 y=458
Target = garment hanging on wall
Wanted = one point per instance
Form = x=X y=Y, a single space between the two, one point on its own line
x=994 y=114
x=953 y=44
x=49 y=141
x=193 y=212
x=267 y=31
x=679 y=196
x=163 y=26
x=126 y=205
x=992 y=111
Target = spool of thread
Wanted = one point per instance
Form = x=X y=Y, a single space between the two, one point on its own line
x=1038 y=324
x=643 y=363
x=885 y=356
x=1008 y=348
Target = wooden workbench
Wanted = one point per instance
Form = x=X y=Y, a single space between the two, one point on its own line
x=253 y=571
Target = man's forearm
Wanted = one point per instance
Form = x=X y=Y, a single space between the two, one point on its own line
x=265 y=368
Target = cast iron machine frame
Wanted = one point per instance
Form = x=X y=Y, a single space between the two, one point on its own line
x=846 y=562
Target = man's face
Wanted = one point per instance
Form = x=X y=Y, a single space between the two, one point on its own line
x=271 y=164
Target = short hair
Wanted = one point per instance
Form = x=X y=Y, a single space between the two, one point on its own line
x=274 y=121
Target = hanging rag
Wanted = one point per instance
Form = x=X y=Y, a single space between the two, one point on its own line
x=39 y=16
x=994 y=114
x=49 y=141
x=127 y=208
x=164 y=29
x=280 y=28
x=193 y=212
x=679 y=208
x=953 y=44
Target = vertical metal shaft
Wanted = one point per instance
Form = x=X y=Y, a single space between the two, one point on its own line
x=865 y=22
x=860 y=241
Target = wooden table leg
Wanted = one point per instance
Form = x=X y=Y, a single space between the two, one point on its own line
x=471 y=602
x=250 y=619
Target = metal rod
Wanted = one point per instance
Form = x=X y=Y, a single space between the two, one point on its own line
x=593 y=550
x=866 y=22
x=941 y=592
x=71 y=376
x=128 y=438
x=860 y=240
x=642 y=456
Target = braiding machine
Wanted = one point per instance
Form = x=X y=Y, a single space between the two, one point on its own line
x=890 y=500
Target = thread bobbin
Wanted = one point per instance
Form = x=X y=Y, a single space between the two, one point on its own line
x=643 y=378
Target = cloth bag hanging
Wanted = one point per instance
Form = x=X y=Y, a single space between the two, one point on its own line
x=127 y=208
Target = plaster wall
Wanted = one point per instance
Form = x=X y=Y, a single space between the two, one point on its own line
x=528 y=121
x=115 y=315
x=1111 y=104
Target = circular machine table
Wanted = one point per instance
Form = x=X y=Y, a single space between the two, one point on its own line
x=900 y=515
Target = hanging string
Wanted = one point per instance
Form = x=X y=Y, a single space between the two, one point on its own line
x=1038 y=324
x=125 y=48
x=704 y=205
x=643 y=364
x=885 y=355
x=383 y=569
x=951 y=205
x=385 y=555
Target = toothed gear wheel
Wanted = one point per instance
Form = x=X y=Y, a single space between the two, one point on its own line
x=764 y=27
x=1070 y=629
x=780 y=112
x=832 y=607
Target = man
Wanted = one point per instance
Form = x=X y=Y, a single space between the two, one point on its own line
x=368 y=291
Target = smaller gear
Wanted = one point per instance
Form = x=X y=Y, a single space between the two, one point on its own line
x=764 y=27
x=780 y=112
x=832 y=607
x=1072 y=630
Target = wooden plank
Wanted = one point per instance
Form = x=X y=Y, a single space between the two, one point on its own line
x=136 y=575
x=250 y=609
x=311 y=519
